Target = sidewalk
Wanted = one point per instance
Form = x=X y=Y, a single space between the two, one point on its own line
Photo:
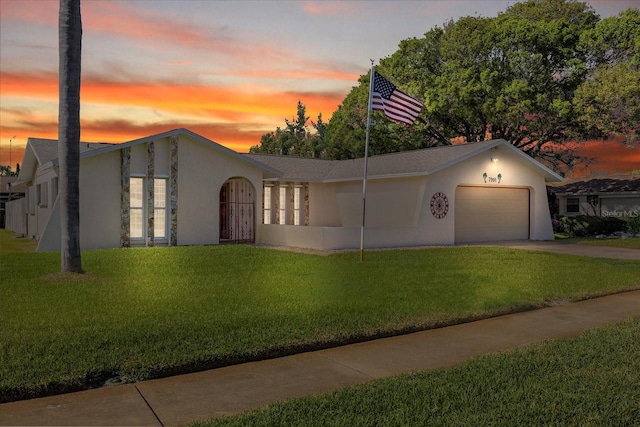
x=183 y=399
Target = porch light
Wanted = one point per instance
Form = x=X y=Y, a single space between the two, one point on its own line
x=494 y=160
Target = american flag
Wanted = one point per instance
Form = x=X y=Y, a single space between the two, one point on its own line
x=397 y=105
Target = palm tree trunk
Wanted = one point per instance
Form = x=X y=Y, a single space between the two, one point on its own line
x=70 y=46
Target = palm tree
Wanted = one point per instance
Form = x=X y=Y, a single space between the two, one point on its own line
x=70 y=47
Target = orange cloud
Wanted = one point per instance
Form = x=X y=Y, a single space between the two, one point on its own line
x=230 y=103
x=236 y=117
x=608 y=156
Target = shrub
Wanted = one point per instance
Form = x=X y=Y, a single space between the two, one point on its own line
x=633 y=226
x=583 y=225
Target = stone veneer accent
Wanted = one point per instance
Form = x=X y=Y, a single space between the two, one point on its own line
x=306 y=203
x=173 y=184
x=275 y=201
x=125 y=197
x=150 y=193
x=290 y=190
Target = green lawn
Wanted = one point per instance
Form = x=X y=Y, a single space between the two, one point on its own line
x=10 y=243
x=587 y=381
x=630 y=243
x=149 y=312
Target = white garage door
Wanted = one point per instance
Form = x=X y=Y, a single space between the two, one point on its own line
x=485 y=214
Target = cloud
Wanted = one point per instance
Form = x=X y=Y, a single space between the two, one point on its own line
x=609 y=156
x=328 y=8
x=234 y=116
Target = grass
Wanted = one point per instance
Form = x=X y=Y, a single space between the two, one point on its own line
x=591 y=380
x=151 y=312
x=10 y=243
x=629 y=243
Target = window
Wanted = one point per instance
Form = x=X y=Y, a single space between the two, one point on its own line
x=136 y=208
x=160 y=208
x=573 y=205
x=283 y=205
x=267 y=205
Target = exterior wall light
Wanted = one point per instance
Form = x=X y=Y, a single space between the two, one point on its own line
x=494 y=160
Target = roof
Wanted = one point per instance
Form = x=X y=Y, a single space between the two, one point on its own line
x=268 y=170
x=403 y=164
x=613 y=184
x=42 y=151
x=16 y=187
x=46 y=150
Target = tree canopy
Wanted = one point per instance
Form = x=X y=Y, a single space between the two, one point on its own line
x=541 y=74
x=295 y=138
x=538 y=75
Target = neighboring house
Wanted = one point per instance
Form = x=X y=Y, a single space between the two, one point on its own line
x=617 y=195
x=179 y=188
x=9 y=191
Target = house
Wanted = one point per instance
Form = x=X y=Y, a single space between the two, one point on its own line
x=179 y=188
x=9 y=191
x=485 y=191
x=167 y=189
x=616 y=195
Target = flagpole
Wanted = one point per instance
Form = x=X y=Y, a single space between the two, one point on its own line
x=366 y=159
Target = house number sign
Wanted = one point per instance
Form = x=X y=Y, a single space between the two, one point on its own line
x=439 y=205
x=492 y=179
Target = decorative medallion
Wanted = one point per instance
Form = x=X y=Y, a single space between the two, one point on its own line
x=439 y=205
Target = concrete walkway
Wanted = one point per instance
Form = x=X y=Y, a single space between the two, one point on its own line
x=183 y=399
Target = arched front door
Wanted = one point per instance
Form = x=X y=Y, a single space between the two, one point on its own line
x=237 y=207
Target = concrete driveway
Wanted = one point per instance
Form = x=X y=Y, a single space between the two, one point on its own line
x=569 y=248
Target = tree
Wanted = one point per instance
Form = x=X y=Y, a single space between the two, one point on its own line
x=295 y=138
x=609 y=100
x=70 y=47
x=515 y=76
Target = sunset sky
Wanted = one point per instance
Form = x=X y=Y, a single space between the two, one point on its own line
x=228 y=70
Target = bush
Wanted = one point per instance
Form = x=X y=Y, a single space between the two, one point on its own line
x=633 y=226
x=583 y=225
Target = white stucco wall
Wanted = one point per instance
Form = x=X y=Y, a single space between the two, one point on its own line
x=100 y=193
x=99 y=206
x=201 y=173
x=514 y=171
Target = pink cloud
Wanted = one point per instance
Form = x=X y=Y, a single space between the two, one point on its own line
x=328 y=8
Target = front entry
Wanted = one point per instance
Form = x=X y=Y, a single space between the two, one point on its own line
x=237 y=207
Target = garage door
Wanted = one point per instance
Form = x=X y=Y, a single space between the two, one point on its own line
x=485 y=214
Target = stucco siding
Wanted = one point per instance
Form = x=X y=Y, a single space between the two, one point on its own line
x=201 y=173
x=100 y=201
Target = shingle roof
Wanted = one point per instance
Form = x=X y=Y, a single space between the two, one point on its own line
x=615 y=184
x=406 y=163
x=46 y=150
x=297 y=168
